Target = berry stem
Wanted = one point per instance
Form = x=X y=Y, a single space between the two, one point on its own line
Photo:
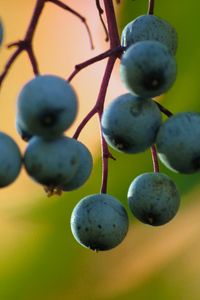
x=151 y=7
x=112 y=24
x=26 y=43
x=164 y=110
x=117 y=51
x=66 y=7
x=154 y=158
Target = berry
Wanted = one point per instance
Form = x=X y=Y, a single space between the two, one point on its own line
x=1 y=32
x=178 y=142
x=130 y=123
x=153 y=198
x=99 y=222
x=83 y=171
x=148 y=69
x=150 y=27
x=10 y=160
x=51 y=162
x=25 y=135
x=47 y=106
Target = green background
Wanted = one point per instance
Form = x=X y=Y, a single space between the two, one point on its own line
x=152 y=263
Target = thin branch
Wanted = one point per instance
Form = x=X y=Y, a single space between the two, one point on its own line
x=151 y=5
x=116 y=51
x=66 y=7
x=154 y=158
x=101 y=12
x=164 y=110
x=26 y=44
x=112 y=24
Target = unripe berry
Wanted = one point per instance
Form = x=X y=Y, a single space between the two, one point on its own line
x=47 y=106
x=150 y=27
x=10 y=160
x=130 y=123
x=51 y=162
x=99 y=222
x=178 y=142
x=153 y=198
x=148 y=69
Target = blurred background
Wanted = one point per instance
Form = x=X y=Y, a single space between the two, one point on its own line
x=39 y=258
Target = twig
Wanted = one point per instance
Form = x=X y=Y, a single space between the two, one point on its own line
x=100 y=10
x=164 y=110
x=154 y=158
x=151 y=7
x=66 y=7
x=116 y=51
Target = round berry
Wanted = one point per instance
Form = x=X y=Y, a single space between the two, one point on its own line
x=47 y=105
x=25 y=135
x=130 y=123
x=99 y=222
x=83 y=171
x=1 y=32
x=148 y=69
x=10 y=160
x=153 y=198
x=150 y=27
x=178 y=142
x=51 y=162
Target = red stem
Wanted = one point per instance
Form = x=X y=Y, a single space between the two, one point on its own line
x=154 y=158
x=151 y=7
x=117 y=51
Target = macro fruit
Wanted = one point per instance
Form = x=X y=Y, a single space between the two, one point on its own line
x=178 y=142
x=10 y=160
x=130 y=123
x=83 y=170
x=26 y=136
x=153 y=198
x=1 y=32
x=99 y=222
x=46 y=106
x=150 y=27
x=51 y=162
x=148 y=69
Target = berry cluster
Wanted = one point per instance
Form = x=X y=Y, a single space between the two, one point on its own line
x=131 y=123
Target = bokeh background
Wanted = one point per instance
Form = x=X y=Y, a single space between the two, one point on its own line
x=39 y=258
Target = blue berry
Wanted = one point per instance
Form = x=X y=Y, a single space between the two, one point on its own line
x=83 y=171
x=1 y=32
x=130 y=123
x=25 y=135
x=99 y=222
x=47 y=106
x=10 y=160
x=150 y=27
x=178 y=142
x=148 y=69
x=153 y=198
x=51 y=162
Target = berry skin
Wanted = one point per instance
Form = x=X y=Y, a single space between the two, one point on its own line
x=178 y=142
x=150 y=27
x=51 y=162
x=10 y=160
x=47 y=106
x=1 y=32
x=99 y=222
x=148 y=69
x=130 y=123
x=26 y=136
x=83 y=171
x=153 y=198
